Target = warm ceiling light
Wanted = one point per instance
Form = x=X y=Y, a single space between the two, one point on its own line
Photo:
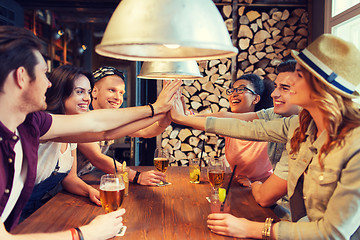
x=60 y=32
x=57 y=34
x=166 y=30
x=172 y=45
x=170 y=70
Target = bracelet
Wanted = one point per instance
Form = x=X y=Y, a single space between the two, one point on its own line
x=81 y=236
x=152 y=109
x=189 y=112
x=266 y=232
x=74 y=234
x=136 y=178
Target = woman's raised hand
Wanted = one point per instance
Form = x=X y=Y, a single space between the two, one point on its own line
x=167 y=96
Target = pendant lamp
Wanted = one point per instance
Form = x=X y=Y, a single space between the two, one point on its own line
x=172 y=30
x=184 y=70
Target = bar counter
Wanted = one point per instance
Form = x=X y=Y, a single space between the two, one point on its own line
x=176 y=211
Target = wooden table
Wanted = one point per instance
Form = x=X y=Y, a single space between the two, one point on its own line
x=176 y=211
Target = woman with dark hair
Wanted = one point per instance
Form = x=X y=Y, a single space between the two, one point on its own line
x=56 y=169
x=62 y=80
x=248 y=94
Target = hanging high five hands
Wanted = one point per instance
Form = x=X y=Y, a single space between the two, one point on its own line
x=167 y=96
x=178 y=110
x=178 y=114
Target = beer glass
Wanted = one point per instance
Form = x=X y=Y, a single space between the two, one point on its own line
x=161 y=162
x=112 y=191
x=216 y=173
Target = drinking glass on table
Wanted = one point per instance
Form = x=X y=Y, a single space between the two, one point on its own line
x=218 y=203
x=124 y=173
x=112 y=192
x=161 y=162
x=216 y=173
x=194 y=170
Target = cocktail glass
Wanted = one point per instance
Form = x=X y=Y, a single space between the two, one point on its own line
x=216 y=173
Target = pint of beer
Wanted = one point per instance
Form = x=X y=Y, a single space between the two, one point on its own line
x=112 y=191
x=161 y=162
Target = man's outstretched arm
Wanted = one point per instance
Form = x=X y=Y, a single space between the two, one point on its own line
x=107 y=119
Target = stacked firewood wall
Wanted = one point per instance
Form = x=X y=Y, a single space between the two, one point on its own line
x=264 y=39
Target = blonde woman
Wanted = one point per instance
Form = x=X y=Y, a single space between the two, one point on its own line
x=324 y=151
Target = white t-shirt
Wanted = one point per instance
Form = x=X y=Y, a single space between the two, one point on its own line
x=49 y=154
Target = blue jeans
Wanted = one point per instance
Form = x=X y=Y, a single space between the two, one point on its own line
x=42 y=193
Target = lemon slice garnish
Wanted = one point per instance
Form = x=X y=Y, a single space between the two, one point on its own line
x=123 y=166
x=222 y=194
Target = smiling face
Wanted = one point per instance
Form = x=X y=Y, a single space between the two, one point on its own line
x=301 y=89
x=281 y=94
x=243 y=102
x=79 y=100
x=108 y=92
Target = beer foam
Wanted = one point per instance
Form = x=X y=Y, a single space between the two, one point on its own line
x=112 y=187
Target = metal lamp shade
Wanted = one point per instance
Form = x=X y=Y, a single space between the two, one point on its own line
x=170 y=70
x=169 y=30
